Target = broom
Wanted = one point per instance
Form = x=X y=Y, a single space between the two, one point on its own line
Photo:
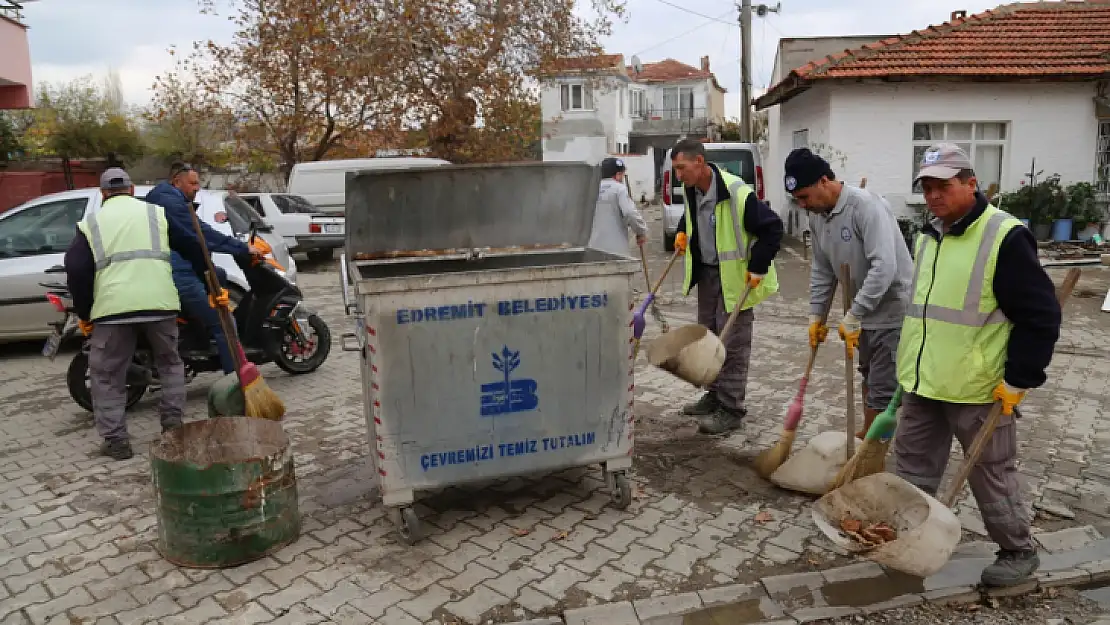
x=258 y=399
x=769 y=460
x=870 y=457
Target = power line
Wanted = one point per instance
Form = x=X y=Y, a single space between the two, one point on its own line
x=683 y=34
x=686 y=10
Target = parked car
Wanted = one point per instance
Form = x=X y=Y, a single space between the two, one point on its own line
x=739 y=159
x=302 y=225
x=35 y=235
x=323 y=183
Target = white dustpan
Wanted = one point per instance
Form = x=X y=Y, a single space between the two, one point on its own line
x=813 y=469
x=928 y=531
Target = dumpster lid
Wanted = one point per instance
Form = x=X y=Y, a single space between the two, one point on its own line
x=444 y=210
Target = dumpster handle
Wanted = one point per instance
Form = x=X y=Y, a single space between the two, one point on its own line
x=344 y=283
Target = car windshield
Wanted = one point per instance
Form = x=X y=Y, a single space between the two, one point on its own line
x=294 y=204
x=241 y=216
x=736 y=162
x=46 y=228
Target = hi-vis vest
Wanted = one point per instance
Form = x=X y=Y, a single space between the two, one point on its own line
x=734 y=246
x=954 y=337
x=131 y=247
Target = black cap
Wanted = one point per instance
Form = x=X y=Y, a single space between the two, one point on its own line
x=804 y=168
x=611 y=166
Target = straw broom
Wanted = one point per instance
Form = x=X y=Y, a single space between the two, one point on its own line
x=258 y=399
x=870 y=458
x=769 y=460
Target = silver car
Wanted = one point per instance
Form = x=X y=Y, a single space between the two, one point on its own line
x=35 y=235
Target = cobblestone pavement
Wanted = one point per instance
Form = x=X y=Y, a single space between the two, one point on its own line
x=77 y=531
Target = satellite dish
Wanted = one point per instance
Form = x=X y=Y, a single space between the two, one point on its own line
x=637 y=66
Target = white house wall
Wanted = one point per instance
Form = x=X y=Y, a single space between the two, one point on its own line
x=808 y=111
x=605 y=119
x=872 y=124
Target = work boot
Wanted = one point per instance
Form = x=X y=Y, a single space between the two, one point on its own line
x=117 y=449
x=722 y=421
x=707 y=405
x=1011 y=568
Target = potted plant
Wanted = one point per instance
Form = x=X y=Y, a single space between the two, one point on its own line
x=1083 y=207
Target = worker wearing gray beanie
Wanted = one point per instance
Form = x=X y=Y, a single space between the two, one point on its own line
x=853 y=225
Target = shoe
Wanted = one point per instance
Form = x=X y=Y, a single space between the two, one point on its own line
x=707 y=405
x=117 y=449
x=1011 y=568
x=722 y=421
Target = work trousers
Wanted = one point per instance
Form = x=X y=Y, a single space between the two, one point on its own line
x=194 y=305
x=878 y=365
x=111 y=349
x=731 y=384
x=922 y=445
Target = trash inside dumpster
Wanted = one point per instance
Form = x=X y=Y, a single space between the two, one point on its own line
x=493 y=342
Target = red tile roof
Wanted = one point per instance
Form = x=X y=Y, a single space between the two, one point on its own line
x=670 y=70
x=1060 y=40
x=588 y=63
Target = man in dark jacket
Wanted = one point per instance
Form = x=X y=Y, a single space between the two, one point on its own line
x=175 y=196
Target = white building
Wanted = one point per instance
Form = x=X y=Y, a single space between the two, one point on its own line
x=1018 y=84
x=597 y=106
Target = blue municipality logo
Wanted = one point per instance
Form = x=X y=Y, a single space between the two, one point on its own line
x=846 y=234
x=508 y=395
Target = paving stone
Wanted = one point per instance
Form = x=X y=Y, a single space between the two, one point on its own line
x=423 y=606
x=249 y=614
x=605 y=583
x=533 y=600
x=482 y=600
x=119 y=602
x=809 y=615
x=205 y=610
x=669 y=605
x=468 y=579
x=1069 y=539
x=376 y=604
x=608 y=614
x=510 y=583
x=853 y=572
x=298 y=615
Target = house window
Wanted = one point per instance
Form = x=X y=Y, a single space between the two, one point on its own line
x=637 y=105
x=620 y=101
x=801 y=138
x=576 y=97
x=1102 y=160
x=984 y=142
x=678 y=103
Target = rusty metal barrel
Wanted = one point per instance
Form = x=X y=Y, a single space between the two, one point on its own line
x=226 y=492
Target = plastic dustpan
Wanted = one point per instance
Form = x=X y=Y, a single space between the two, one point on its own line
x=813 y=468
x=927 y=530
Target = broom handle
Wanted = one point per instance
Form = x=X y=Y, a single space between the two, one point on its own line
x=735 y=312
x=824 y=320
x=643 y=263
x=849 y=375
x=662 y=276
x=214 y=287
x=1063 y=292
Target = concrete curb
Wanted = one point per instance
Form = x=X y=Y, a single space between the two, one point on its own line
x=1071 y=557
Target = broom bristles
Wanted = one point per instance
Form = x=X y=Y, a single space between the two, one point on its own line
x=771 y=459
x=869 y=459
x=262 y=402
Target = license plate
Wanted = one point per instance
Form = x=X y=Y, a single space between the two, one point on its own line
x=333 y=229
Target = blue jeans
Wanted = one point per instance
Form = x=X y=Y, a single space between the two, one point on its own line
x=194 y=305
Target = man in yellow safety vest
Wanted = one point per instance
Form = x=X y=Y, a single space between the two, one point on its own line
x=118 y=272
x=981 y=327
x=730 y=240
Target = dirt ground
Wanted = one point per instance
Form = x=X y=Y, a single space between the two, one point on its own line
x=1050 y=607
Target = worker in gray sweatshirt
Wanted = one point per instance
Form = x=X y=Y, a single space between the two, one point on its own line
x=855 y=226
x=616 y=213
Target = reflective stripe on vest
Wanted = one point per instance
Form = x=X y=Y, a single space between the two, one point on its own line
x=969 y=314
x=742 y=252
x=155 y=252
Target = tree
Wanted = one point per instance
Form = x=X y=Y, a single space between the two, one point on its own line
x=81 y=120
x=308 y=74
x=184 y=122
x=472 y=65
x=730 y=129
x=10 y=144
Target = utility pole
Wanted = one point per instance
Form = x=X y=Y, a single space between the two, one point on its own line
x=746 y=62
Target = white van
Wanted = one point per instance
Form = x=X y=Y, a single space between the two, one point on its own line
x=738 y=159
x=324 y=182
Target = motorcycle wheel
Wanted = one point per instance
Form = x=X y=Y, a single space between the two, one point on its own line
x=293 y=360
x=77 y=379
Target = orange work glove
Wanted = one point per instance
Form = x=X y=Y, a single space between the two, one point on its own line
x=754 y=279
x=680 y=242
x=86 y=327
x=220 y=299
x=1009 y=396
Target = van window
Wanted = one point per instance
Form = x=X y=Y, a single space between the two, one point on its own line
x=736 y=162
x=293 y=204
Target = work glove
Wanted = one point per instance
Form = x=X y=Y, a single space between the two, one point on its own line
x=1009 y=396
x=818 y=331
x=849 y=331
x=218 y=300
x=680 y=242
x=882 y=428
x=754 y=279
x=85 y=326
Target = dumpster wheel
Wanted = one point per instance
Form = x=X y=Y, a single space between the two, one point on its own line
x=620 y=491
x=409 y=527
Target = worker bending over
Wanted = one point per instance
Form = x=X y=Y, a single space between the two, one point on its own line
x=730 y=240
x=981 y=326
x=855 y=226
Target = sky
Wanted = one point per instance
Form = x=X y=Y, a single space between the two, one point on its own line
x=74 y=38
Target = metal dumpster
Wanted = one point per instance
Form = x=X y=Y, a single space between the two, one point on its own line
x=493 y=342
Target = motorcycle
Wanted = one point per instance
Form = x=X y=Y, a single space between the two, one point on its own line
x=272 y=322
